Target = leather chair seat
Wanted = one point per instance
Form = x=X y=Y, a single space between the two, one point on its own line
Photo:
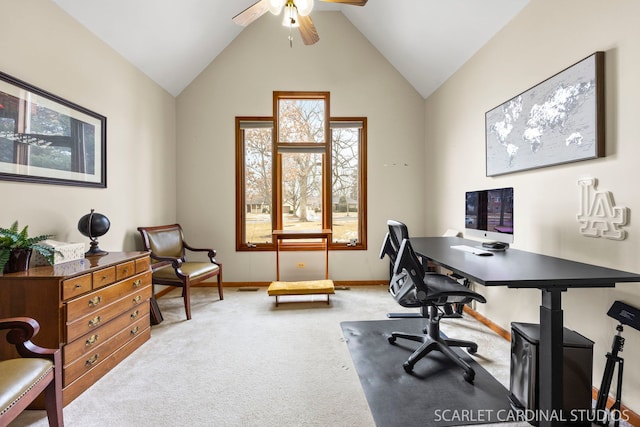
x=192 y=269
x=18 y=376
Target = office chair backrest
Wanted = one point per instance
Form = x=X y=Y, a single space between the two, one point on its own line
x=409 y=264
x=391 y=245
x=398 y=232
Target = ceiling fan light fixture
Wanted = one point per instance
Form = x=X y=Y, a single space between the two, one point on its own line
x=304 y=7
x=275 y=6
x=290 y=18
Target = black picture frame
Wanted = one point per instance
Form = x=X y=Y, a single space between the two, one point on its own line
x=47 y=139
x=560 y=120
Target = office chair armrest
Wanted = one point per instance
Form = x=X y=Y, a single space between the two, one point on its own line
x=22 y=329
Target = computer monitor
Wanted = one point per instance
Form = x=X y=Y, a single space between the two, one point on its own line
x=489 y=214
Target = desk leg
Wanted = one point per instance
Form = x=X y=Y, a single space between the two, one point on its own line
x=551 y=358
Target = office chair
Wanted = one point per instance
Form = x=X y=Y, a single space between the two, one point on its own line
x=170 y=266
x=398 y=231
x=412 y=287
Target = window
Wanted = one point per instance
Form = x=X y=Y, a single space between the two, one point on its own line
x=300 y=169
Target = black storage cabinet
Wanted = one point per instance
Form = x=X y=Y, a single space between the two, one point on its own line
x=577 y=370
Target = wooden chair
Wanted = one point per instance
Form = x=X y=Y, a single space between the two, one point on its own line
x=169 y=264
x=23 y=379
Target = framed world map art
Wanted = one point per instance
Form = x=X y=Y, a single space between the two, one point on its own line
x=560 y=120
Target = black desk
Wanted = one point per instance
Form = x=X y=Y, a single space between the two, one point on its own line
x=519 y=269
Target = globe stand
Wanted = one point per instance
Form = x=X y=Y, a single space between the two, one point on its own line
x=95 y=250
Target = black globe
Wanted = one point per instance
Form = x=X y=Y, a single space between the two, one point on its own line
x=94 y=225
x=99 y=225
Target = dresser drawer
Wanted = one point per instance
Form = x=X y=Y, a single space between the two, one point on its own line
x=102 y=351
x=143 y=264
x=76 y=286
x=92 y=321
x=99 y=298
x=126 y=269
x=104 y=277
x=89 y=342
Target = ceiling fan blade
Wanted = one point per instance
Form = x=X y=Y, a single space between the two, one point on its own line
x=308 y=30
x=351 y=2
x=251 y=13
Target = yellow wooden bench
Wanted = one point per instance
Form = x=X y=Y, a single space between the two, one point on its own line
x=306 y=287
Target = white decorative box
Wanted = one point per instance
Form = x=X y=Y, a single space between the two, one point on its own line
x=65 y=252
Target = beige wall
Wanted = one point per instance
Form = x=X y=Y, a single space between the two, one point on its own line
x=45 y=47
x=146 y=185
x=545 y=38
x=240 y=82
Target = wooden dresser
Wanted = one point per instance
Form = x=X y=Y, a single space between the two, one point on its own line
x=95 y=309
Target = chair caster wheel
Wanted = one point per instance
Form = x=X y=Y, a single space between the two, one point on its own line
x=472 y=350
x=391 y=339
x=408 y=367
x=469 y=376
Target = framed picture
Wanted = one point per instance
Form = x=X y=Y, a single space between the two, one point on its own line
x=46 y=139
x=560 y=120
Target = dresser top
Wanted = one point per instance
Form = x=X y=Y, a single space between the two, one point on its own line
x=80 y=266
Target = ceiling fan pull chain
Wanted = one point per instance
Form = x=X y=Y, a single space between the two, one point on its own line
x=290 y=37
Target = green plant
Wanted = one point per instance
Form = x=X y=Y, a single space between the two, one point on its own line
x=12 y=238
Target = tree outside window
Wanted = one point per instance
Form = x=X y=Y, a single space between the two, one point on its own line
x=313 y=183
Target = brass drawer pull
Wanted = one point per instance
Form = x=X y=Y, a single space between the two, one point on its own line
x=135 y=314
x=92 y=360
x=137 y=283
x=95 y=321
x=78 y=285
x=135 y=330
x=91 y=340
x=137 y=299
x=95 y=301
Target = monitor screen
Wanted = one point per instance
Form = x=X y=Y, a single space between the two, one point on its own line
x=489 y=214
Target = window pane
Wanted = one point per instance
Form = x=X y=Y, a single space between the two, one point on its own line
x=345 y=184
x=258 y=172
x=302 y=191
x=301 y=120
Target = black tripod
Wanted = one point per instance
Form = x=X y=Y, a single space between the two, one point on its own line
x=602 y=417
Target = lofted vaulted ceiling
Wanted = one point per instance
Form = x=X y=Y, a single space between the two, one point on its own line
x=173 y=41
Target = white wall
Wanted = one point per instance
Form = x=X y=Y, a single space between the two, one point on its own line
x=45 y=47
x=241 y=81
x=546 y=37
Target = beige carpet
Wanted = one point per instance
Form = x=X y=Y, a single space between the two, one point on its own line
x=244 y=362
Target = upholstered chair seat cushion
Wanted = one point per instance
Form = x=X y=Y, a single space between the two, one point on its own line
x=18 y=376
x=192 y=269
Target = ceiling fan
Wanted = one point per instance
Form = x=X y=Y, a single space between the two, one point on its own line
x=296 y=15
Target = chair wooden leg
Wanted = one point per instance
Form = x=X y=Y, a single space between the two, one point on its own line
x=53 y=399
x=220 y=290
x=186 y=293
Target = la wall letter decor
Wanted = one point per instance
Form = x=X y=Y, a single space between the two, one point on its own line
x=598 y=216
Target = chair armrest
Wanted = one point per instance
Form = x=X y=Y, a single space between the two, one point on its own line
x=22 y=329
x=165 y=260
x=159 y=265
x=176 y=263
x=211 y=253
